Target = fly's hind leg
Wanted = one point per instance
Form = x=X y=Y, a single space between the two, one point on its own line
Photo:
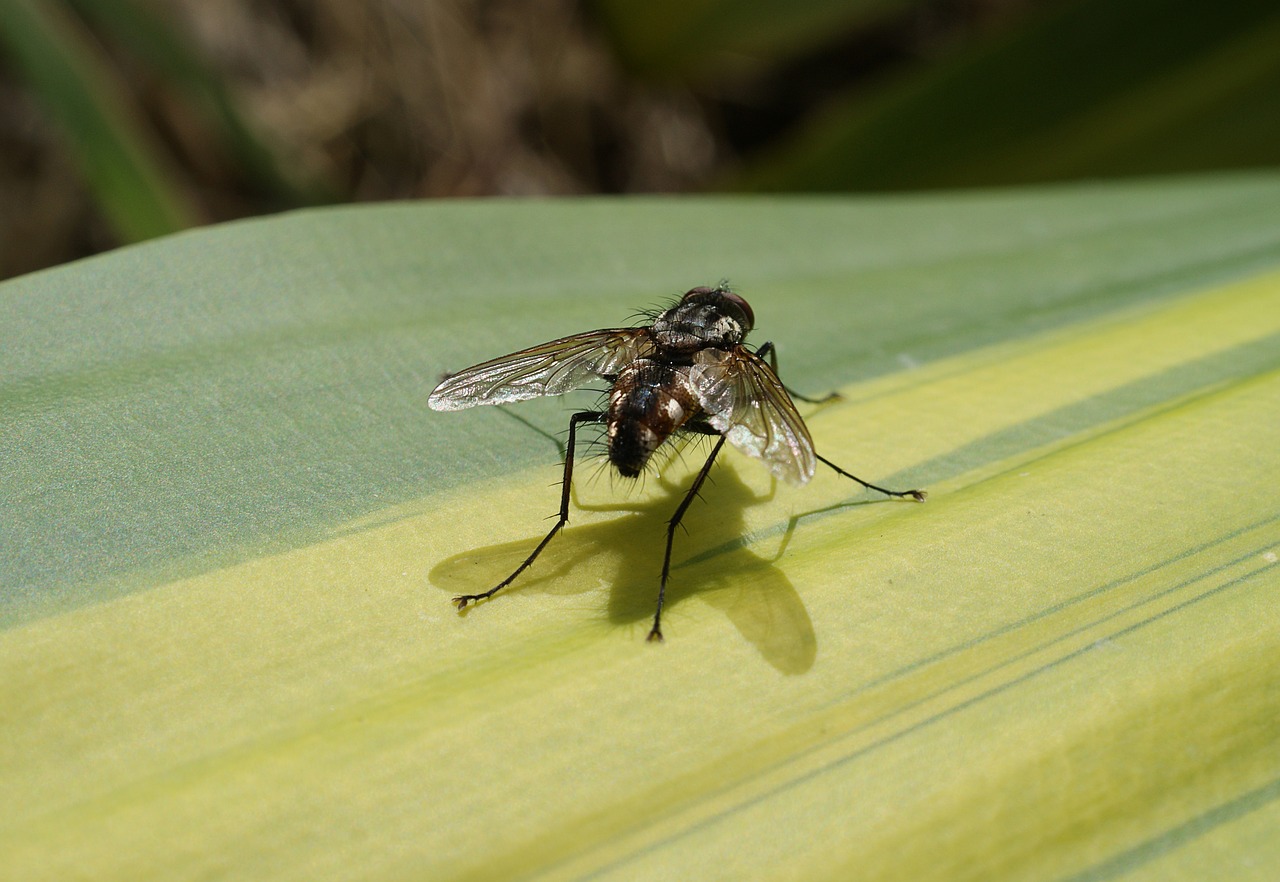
x=586 y=416
x=917 y=495
x=768 y=350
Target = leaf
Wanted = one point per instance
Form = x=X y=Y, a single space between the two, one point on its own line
x=232 y=528
x=153 y=41
x=705 y=38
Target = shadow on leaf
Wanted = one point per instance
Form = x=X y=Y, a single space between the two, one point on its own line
x=711 y=558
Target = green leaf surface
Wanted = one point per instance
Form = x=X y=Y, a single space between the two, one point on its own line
x=232 y=528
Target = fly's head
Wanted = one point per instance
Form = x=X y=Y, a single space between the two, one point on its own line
x=704 y=318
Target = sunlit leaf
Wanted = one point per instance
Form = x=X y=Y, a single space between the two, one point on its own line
x=232 y=527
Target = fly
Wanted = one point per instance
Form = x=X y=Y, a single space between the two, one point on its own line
x=688 y=371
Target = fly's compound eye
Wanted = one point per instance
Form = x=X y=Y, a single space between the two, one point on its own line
x=723 y=295
x=742 y=305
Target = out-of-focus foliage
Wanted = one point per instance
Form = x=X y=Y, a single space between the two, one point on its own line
x=182 y=110
x=255 y=106
x=707 y=39
x=139 y=190
x=1095 y=88
x=166 y=55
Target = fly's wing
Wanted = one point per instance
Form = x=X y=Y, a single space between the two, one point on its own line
x=746 y=401
x=550 y=369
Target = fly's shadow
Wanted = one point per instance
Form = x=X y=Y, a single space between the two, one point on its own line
x=714 y=562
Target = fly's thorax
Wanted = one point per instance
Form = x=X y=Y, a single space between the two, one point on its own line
x=701 y=322
x=649 y=401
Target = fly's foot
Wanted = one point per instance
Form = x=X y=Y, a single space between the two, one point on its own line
x=462 y=600
x=823 y=399
x=655 y=636
x=917 y=495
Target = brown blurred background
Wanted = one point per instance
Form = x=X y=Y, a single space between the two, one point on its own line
x=125 y=119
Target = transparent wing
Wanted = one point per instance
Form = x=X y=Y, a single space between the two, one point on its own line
x=550 y=369
x=746 y=401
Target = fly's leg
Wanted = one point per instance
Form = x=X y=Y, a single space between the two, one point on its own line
x=586 y=416
x=656 y=632
x=769 y=351
x=917 y=495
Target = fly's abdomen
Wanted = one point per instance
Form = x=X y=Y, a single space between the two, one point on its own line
x=648 y=402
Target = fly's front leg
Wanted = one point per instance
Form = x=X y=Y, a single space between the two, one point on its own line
x=586 y=416
x=769 y=351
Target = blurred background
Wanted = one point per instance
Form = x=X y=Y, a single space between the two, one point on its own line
x=122 y=120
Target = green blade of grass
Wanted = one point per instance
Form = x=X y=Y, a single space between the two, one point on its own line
x=157 y=43
x=233 y=528
x=706 y=38
x=139 y=193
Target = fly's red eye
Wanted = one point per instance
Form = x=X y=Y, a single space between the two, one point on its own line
x=742 y=305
